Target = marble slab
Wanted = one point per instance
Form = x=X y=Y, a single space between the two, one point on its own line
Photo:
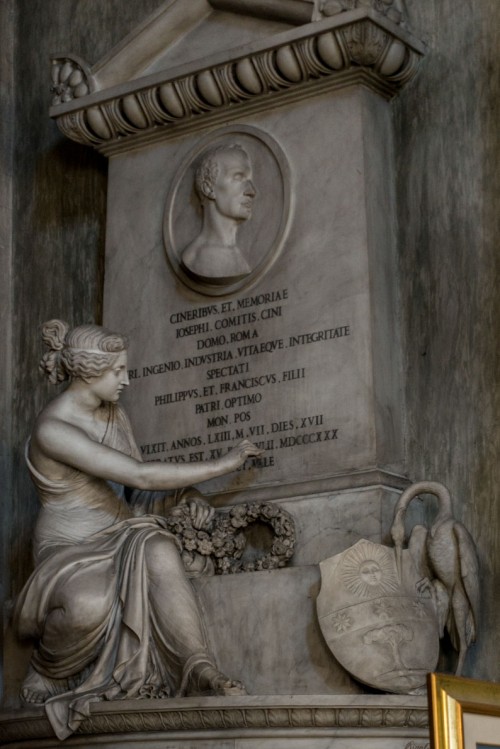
x=273 y=644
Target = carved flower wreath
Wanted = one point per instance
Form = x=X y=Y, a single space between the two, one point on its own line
x=225 y=542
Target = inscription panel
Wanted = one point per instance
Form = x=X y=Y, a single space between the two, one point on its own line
x=232 y=374
x=285 y=357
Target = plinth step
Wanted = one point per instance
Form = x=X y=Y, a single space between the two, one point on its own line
x=254 y=722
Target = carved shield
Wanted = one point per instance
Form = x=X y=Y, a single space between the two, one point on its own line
x=381 y=628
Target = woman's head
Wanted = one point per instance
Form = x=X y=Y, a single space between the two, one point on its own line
x=83 y=352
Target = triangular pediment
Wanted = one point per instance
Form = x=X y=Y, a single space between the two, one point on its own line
x=180 y=32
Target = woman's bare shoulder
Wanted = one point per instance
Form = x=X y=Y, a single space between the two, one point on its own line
x=54 y=423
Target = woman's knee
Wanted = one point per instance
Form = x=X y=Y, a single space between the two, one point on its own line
x=83 y=600
x=81 y=610
x=162 y=554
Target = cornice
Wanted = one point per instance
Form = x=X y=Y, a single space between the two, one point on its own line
x=369 y=479
x=264 y=715
x=357 y=47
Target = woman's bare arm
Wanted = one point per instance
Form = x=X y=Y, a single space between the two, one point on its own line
x=68 y=444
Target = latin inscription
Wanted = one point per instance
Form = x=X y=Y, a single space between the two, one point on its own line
x=226 y=342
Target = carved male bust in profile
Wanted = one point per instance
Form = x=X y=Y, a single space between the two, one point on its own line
x=223 y=183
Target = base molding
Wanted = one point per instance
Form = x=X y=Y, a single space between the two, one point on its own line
x=205 y=722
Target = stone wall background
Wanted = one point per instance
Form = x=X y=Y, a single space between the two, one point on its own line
x=52 y=228
x=447 y=143
x=52 y=223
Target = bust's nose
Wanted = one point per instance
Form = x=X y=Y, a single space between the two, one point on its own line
x=250 y=189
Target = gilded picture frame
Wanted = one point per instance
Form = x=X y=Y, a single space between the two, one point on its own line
x=464 y=713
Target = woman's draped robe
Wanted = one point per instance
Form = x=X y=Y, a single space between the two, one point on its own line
x=86 y=535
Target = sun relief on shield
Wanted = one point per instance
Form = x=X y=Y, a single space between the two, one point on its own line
x=383 y=630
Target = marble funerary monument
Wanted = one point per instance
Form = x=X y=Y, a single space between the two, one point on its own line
x=251 y=261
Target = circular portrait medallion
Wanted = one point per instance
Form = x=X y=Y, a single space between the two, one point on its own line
x=228 y=210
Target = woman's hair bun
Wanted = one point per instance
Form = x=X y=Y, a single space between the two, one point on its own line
x=53 y=334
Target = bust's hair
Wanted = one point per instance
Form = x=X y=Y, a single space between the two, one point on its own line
x=86 y=351
x=208 y=167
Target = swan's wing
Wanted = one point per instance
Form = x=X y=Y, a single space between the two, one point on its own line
x=417 y=546
x=469 y=572
x=442 y=601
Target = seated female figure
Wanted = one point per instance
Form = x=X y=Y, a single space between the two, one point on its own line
x=108 y=605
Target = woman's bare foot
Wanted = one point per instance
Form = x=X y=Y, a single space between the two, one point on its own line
x=36 y=688
x=205 y=678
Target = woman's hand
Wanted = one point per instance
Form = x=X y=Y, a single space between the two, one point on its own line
x=200 y=511
x=236 y=457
